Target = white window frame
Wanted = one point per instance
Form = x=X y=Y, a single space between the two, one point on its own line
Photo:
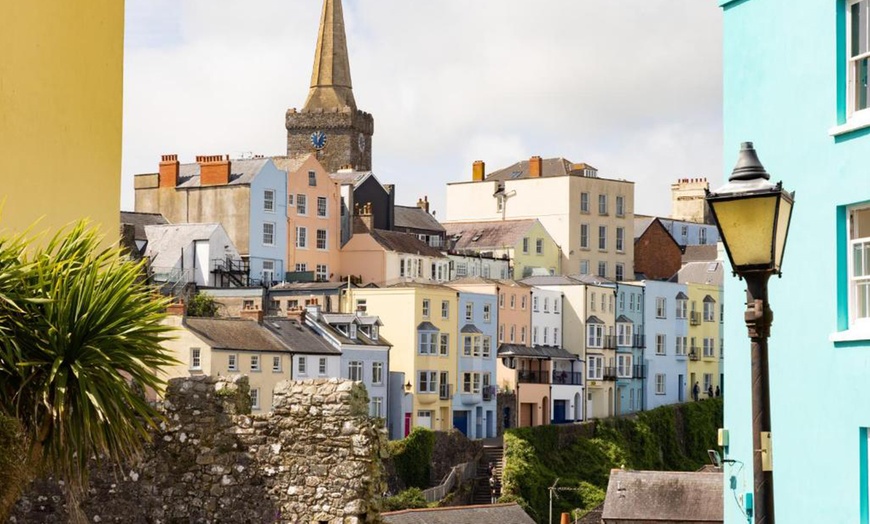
x=709 y=311
x=322 y=368
x=624 y=332
x=584 y=203
x=620 y=239
x=469 y=312
x=709 y=347
x=232 y=362
x=325 y=239
x=269 y=200
x=377 y=407
x=428 y=379
x=620 y=206
x=858 y=285
x=426 y=310
x=426 y=343
x=487 y=313
x=602 y=238
x=661 y=307
x=255 y=398
x=661 y=344
x=276 y=364
x=255 y=363
x=525 y=245
x=445 y=309
x=660 y=383
x=196 y=359
x=377 y=373
x=301 y=204
x=302 y=366
x=624 y=365
x=539 y=246
x=301 y=237
x=602 y=204
x=594 y=335
x=594 y=367
x=444 y=345
x=584 y=236
x=321 y=272
x=324 y=208
x=355 y=370
x=682 y=308
x=268 y=233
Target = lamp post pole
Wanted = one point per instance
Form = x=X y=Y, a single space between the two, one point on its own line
x=758 y=318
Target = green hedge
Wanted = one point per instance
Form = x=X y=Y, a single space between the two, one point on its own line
x=672 y=438
x=409 y=499
x=412 y=457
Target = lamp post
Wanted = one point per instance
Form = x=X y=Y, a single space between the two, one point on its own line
x=753 y=216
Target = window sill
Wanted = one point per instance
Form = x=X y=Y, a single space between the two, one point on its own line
x=857 y=121
x=854 y=334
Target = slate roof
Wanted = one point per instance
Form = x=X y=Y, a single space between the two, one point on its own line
x=426 y=326
x=700 y=273
x=550 y=167
x=140 y=220
x=165 y=242
x=470 y=328
x=403 y=243
x=329 y=319
x=566 y=280
x=487 y=235
x=308 y=287
x=234 y=333
x=670 y=496
x=489 y=514
x=641 y=224
x=242 y=172
x=594 y=320
x=415 y=218
x=299 y=337
x=519 y=350
x=705 y=253
x=350 y=177
x=622 y=319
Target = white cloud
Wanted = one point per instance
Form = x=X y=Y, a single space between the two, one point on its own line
x=633 y=88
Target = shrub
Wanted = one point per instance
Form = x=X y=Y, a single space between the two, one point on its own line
x=202 y=305
x=412 y=457
x=411 y=498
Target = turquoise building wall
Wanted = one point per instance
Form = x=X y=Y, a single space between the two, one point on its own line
x=784 y=90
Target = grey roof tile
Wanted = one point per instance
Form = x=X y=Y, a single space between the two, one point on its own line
x=489 y=514
x=415 y=218
x=234 y=333
x=668 y=496
x=487 y=235
x=299 y=337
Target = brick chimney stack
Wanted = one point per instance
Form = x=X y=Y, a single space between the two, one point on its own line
x=423 y=203
x=536 y=168
x=214 y=170
x=168 y=174
x=478 y=171
x=296 y=313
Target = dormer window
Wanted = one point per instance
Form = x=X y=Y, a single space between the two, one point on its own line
x=342 y=328
x=353 y=331
x=374 y=332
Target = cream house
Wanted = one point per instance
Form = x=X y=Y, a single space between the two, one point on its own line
x=591 y=219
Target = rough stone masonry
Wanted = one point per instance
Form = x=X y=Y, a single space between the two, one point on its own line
x=315 y=459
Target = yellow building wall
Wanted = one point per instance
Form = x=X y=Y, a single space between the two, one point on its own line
x=704 y=329
x=550 y=259
x=61 y=88
x=401 y=311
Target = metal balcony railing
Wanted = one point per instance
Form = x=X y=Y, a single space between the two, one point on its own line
x=695 y=318
x=640 y=371
x=609 y=341
x=488 y=393
x=609 y=373
x=639 y=341
x=533 y=377
x=694 y=354
x=568 y=378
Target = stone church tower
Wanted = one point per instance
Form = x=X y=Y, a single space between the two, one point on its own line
x=330 y=124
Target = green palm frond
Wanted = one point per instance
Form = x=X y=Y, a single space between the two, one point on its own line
x=79 y=329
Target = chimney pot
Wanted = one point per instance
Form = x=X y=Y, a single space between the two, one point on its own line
x=252 y=314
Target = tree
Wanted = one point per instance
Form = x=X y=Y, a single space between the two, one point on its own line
x=77 y=330
x=202 y=305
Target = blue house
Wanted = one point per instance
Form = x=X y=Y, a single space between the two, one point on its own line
x=796 y=84
x=474 y=403
x=630 y=347
x=665 y=330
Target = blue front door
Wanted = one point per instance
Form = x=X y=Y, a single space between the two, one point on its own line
x=460 y=421
x=559 y=411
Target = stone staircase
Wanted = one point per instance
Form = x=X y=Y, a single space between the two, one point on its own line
x=492 y=454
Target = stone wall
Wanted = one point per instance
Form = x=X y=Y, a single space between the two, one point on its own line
x=505 y=400
x=316 y=458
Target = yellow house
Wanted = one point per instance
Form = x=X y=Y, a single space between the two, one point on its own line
x=421 y=322
x=60 y=113
x=705 y=337
x=229 y=346
x=526 y=243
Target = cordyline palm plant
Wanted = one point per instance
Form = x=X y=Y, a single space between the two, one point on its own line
x=78 y=331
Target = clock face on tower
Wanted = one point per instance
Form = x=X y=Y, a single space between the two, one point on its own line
x=361 y=142
x=318 y=140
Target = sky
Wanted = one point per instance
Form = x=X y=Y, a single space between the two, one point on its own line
x=632 y=88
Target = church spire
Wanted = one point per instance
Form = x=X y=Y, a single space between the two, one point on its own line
x=330 y=81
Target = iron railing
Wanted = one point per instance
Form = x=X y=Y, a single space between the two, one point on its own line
x=568 y=378
x=533 y=377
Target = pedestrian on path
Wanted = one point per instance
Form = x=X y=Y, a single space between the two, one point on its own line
x=696 y=391
x=493 y=489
